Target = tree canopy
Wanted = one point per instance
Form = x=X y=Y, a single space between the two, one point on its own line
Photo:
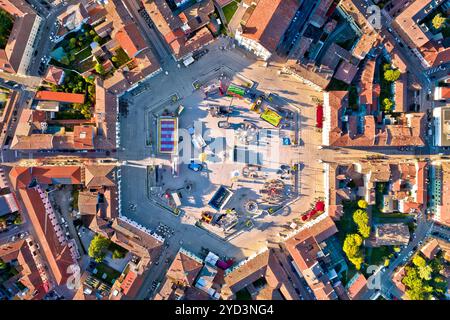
x=387 y=105
x=392 y=75
x=99 y=68
x=352 y=248
x=98 y=248
x=438 y=21
x=423 y=279
x=362 y=204
x=361 y=218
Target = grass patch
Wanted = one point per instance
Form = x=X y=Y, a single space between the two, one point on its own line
x=6 y=24
x=111 y=274
x=117 y=251
x=120 y=58
x=346 y=225
x=83 y=54
x=75 y=195
x=230 y=9
x=377 y=256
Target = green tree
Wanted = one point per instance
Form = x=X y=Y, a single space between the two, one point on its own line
x=97 y=39
x=386 y=67
x=352 y=243
x=440 y=285
x=387 y=105
x=392 y=75
x=118 y=254
x=417 y=288
x=425 y=272
x=99 y=68
x=18 y=220
x=352 y=248
x=3 y=265
x=98 y=247
x=362 y=204
x=91 y=91
x=438 y=21
x=418 y=261
x=364 y=230
x=360 y=217
x=64 y=60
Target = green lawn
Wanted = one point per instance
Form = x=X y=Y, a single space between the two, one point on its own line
x=376 y=256
x=83 y=54
x=230 y=9
x=121 y=57
x=111 y=274
x=112 y=247
x=6 y=24
x=346 y=225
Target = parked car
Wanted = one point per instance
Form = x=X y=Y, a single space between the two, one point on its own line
x=197 y=167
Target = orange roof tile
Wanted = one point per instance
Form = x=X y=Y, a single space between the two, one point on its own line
x=60 y=96
x=130 y=39
x=58 y=256
x=269 y=21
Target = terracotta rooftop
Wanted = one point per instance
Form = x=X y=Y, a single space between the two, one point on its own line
x=358 y=287
x=406 y=20
x=269 y=22
x=99 y=175
x=305 y=251
x=60 y=96
x=54 y=75
x=184 y=270
x=444 y=207
x=408 y=131
x=21 y=177
x=83 y=137
x=29 y=275
x=169 y=25
x=24 y=19
x=430 y=249
x=58 y=255
x=130 y=39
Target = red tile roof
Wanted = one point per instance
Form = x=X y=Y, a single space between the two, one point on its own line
x=29 y=272
x=269 y=21
x=358 y=287
x=130 y=39
x=22 y=176
x=58 y=256
x=54 y=75
x=184 y=269
x=83 y=137
x=60 y=97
